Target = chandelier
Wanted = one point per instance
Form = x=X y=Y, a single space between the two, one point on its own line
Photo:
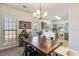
x=38 y=14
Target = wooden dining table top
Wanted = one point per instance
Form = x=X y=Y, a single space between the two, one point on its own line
x=46 y=46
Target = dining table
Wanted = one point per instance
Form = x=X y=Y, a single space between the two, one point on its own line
x=44 y=46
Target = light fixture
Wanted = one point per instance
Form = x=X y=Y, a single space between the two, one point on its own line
x=38 y=14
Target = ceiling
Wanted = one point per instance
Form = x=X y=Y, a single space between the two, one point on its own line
x=53 y=9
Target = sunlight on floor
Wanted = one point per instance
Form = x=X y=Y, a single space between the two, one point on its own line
x=64 y=41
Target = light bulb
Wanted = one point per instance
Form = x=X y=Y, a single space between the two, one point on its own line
x=45 y=13
x=44 y=16
x=38 y=11
x=38 y=16
x=34 y=14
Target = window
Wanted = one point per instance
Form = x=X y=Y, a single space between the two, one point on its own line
x=10 y=31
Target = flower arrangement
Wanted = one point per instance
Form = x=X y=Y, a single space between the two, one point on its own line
x=22 y=35
x=39 y=33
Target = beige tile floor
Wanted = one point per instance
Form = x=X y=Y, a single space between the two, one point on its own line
x=15 y=51
x=64 y=41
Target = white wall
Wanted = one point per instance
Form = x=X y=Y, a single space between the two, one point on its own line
x=0 y=26
x=0 y=30
x=74 y=27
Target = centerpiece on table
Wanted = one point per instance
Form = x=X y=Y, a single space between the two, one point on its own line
x=39 y=33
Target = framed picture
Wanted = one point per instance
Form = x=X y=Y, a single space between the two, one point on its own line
x=24 y=25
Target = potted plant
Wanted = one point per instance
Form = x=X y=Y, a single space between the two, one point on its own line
x=39 y=33
x=21 y=37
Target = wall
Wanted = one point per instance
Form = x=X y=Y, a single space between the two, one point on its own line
x=0 y=30
x=74 y=27
x=0 y=26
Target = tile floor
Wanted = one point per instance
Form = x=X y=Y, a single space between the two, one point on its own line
x=64 y=41
x=15 y=51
